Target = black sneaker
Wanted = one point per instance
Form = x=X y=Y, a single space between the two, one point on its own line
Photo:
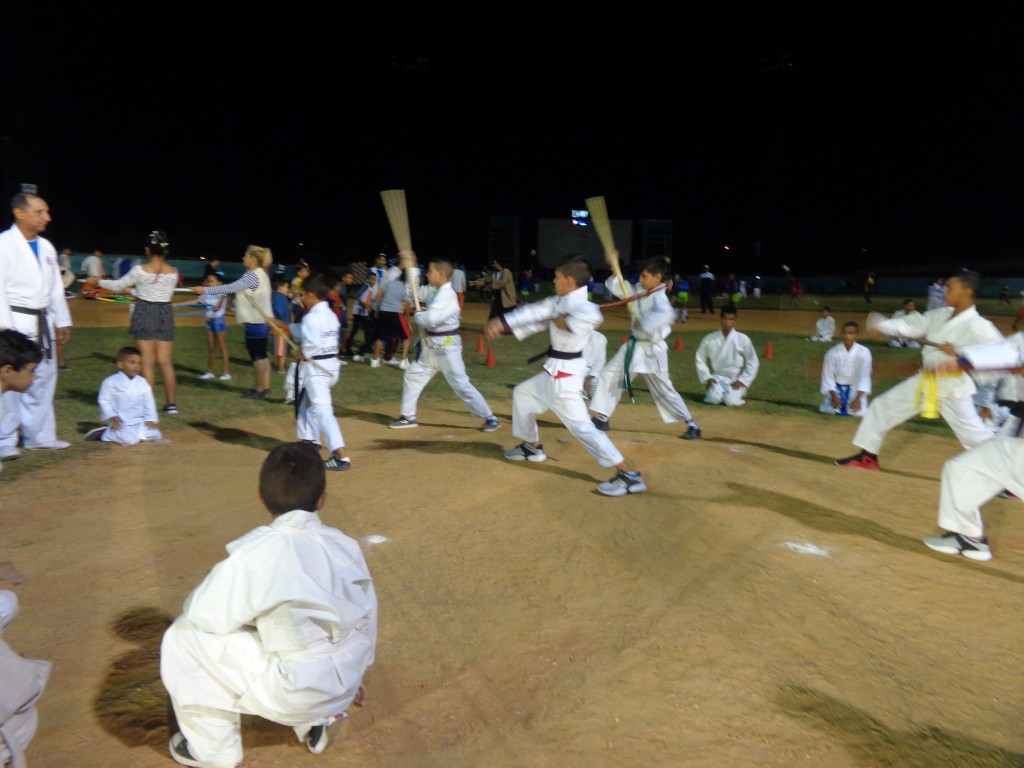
x=256 y=394
x=319 y=735
x=95 y=434
x=334 y=464
x=170 y=409
x=601 y=424
x=692 y=433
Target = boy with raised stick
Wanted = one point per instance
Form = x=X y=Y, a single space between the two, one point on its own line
x=569 y=317
x=644 y=353
x=439 y=349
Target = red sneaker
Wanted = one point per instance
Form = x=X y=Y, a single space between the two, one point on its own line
x=860 y=461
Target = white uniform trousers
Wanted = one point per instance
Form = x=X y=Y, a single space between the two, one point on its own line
x=31 y=411
x=975 y=476
x=563 y=396
x=609 y=391
x=446 y=358
x=316 y=411
x=897 y=405
x=212 y=680
x=131 y=434
x=722 y=392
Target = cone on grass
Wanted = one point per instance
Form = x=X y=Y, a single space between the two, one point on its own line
x=489 y=362
x=768 y=354
x=480 y=343
x=679 y=343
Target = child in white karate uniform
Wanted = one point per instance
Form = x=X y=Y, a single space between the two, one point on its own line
x=127 y=404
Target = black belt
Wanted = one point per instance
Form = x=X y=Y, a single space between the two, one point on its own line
x=42 y=328
x=549 y=352
x=323 y=357
x=442 y=333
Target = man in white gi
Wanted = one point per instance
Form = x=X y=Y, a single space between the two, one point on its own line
x=824 y=327
x=32 y=301
x=933 y=391
x=993 y=468
x=644 y=353
x=909 y=309
x=846 y=375
x=726 y=362
x=284 y=628
x=440 y=349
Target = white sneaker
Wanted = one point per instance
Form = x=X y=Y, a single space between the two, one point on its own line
x=623 y=484
x=375 y=363
x=206 y=376
x=392 y=361
x=404 y=364
x=358 y=358
x=342 y=362
x=225 y=377
x=53 y=445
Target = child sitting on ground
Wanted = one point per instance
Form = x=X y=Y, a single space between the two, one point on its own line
x=19 y=356
x=127 y=404
x=284 y=628
x=824 y=327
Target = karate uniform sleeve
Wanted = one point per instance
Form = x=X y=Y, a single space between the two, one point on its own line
x=23 y=682
x=864 y=380
x=701 y=360
x=223 y=602
x=58 y=303
x=828 y=373
x=107 y=400
x=751 y=363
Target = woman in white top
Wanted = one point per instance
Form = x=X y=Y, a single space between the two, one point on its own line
x=152 y=323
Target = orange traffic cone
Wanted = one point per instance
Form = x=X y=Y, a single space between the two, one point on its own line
x=480 y=343
x=489 y=362
x=679 y=343
x=768 y=354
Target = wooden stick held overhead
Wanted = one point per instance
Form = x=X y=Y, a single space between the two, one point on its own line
x=398 y=218
x=603 y=226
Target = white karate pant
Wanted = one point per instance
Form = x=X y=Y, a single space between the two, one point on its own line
x=214 y=679
x=444 y=356
x=31 y=411
x=826 y=406
x=564 y=397
x=131 y=434
x=609 y=391
x=19 y=729
x=976 y=476
x=897 y=405
x=721 y=392
x=316 y=411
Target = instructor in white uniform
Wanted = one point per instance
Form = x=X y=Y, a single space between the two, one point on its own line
x=32 y=301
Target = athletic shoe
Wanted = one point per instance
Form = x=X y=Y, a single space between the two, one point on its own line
x=692 y=433
x=256 y=394
x=225 y=377
x=358 y=358
x=337 y=465
x=862 y=460
x=392 y=361
x=623 y=483
x=375 y=362
x=95 y=434
x=9 y=453
x=64 y=368
x=180 y=753
x=601 y=424
x=53 y=445
x=491 y=423
x=170 y=409
x=403 y=423
x=340 y=362
x=318 y=737
x=1005 y=494
x=526 y=451
x=206 y=376
x=958 y=544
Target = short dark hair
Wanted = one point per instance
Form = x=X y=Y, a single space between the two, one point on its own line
x=292 y=477
x=968 y=278
x=444 y=266
x=18 y=350
x=125 y=352
x=826 y=309
x=659 y=266
x=577 y=268
x=316 y=285
x=851 y=324
x=729 y=309
x=277 y=282
x=21 y=200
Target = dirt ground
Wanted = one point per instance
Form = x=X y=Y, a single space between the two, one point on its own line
x=757 y=607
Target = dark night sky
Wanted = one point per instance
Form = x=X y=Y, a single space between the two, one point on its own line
x=884 y=135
